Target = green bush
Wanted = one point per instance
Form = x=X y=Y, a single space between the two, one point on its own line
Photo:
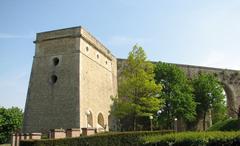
x=194 y=139
x=104 y=139
x=157 y=138
x=227 y=125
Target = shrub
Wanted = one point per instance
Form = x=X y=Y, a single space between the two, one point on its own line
x=227 y=125
x=194 y=139
x=104 y=139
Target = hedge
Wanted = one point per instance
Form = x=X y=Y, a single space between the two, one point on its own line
x=227 y=125
x=194 y=139
x=104 y=139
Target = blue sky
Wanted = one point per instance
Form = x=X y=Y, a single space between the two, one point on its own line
x=197 y=32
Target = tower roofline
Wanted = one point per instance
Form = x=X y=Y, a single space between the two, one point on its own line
x=73 y=32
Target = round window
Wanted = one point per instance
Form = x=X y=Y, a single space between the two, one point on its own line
x=55 y=61
x=54 y=79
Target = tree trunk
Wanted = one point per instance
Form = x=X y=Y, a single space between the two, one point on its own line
x=204 y=121
x=134 y=123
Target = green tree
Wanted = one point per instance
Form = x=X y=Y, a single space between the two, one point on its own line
x=208 y=93
x=10 y=121
x=219 y=111
x=138 y=94
x=177 y=93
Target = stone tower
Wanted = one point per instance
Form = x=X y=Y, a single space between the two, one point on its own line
x=73 y=76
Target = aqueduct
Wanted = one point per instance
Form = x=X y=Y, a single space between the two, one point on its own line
x=229 y=78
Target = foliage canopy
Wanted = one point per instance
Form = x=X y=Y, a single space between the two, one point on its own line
x=10 y=121
x=209 y=95
x=177 y=93
x=138 y=92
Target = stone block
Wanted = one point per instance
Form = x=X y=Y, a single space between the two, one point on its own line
x=88 y=131
x=26 y=136
x=74 y=132
x=21 y=136
x=57 y=133
x=35 y=135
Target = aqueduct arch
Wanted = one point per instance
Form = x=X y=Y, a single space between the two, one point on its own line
x=230 y=80
x=230 y=100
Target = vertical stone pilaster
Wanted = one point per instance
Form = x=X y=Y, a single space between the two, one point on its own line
x=13 y=139
x=17 y=139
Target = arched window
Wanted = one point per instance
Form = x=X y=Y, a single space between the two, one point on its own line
x=100 y=120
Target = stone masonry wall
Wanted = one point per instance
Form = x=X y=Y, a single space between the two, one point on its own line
x=72 y=73
x=96 y=83
x=53 y=105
